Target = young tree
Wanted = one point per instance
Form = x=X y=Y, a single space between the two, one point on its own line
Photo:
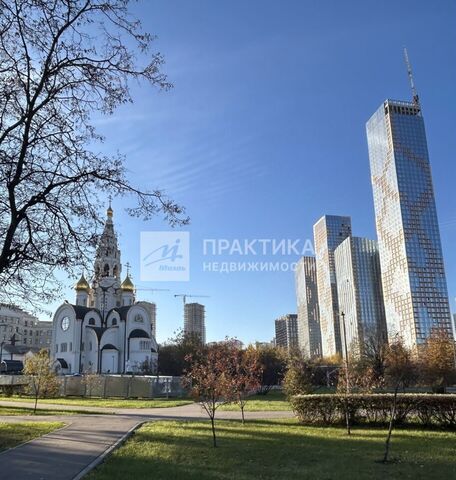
x=209 y=380
x=437 y=360
x=400 y=370
x=244 y=374
x=42 y=377
x=61 y=63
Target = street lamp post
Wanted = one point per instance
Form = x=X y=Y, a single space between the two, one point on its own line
x=342 y=314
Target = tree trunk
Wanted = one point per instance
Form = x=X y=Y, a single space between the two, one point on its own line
x=36 y=402
x=347 y=416
x=214 y=439
x=390 y=429
x=242 y=413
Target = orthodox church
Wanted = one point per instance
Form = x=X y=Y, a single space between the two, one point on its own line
x=106 y=330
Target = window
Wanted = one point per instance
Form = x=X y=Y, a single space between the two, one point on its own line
x=114 y=322
x=56 y=348
x=63 y=347
x=139 y=318
x=71 y=346
x=144 y=345
x=91 y=321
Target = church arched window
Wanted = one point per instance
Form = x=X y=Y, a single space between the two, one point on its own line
x=114 y=322
x=91 y=321
x=106 y=270
x=114 y=271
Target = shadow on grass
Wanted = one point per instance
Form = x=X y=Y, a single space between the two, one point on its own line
x=277 y=450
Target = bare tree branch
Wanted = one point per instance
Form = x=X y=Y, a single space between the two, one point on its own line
x=61 y=62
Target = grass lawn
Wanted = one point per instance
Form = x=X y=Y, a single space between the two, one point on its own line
x=106 y=402
x=14 y=411
x=277 y=450
x=273 y=401
x=12 y=434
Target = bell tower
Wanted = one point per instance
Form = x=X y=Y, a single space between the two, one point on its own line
x=107 y=268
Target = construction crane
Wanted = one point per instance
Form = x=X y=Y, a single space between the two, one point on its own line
x=186 y=295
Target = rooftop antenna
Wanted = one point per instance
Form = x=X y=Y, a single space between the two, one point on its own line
x=416 y=100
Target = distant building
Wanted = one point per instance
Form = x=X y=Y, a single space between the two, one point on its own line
x=286 y=331
x=309 y=335
x=413 y=274
x=17 y=352
x=26 y=328
x=329 y=232
x=270 y=344
x=359 y=293
x=195 y=320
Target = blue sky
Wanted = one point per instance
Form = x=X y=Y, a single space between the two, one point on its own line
x=264 y=132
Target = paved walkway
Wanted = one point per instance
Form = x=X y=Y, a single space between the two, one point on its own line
x=63 y=454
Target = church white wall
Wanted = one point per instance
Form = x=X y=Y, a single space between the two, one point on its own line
x=65 y=341
x=90 y=353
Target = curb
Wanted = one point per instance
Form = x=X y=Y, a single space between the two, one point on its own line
x=108 y=451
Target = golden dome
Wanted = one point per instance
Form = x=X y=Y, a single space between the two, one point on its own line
x=127 y=285
x=82 y=284
x=109 y=211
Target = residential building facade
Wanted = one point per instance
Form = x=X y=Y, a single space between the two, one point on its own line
x=359 y=293
x=195 y=320
x=413 y=275
x=286 y=331
x=309 y=334
x=329 y=232
x=26 y=328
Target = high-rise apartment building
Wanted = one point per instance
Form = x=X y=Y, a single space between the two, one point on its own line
x=359 y=294
x=413 y=275
x=329 y=232
x=309 y=335
x=194 y=320
x=286 y=331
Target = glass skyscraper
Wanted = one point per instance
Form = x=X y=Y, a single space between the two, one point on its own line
x=329 y=232
x=359 y=292
x=309 y=336
x=413 y=276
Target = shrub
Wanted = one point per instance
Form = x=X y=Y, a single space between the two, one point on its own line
x=425 y=409
x=297 y=379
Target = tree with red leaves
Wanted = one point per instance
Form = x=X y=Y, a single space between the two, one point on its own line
x=244 y=376
x=209 y=379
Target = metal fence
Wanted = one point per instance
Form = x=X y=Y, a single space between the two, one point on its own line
x=120 y=386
